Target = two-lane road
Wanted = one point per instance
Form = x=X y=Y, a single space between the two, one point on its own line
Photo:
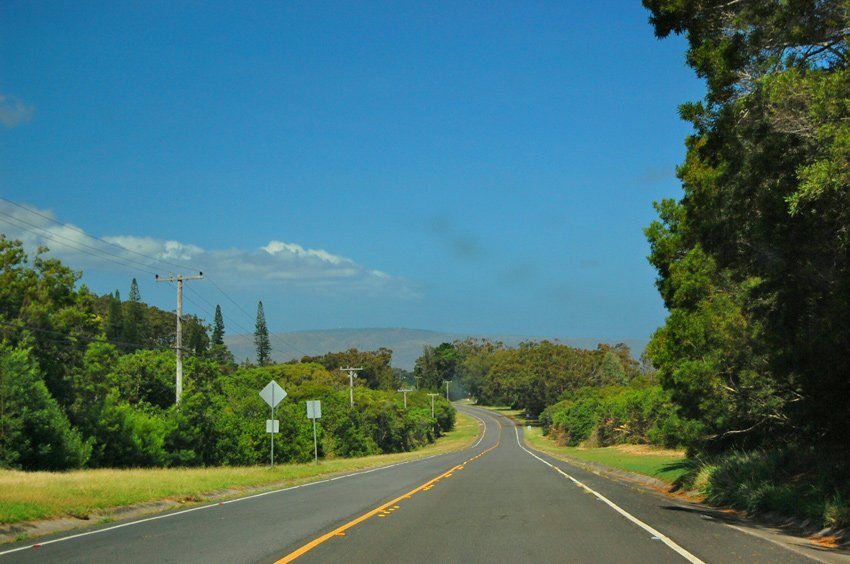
x=493 y=502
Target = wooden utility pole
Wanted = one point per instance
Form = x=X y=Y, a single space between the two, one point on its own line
x=404 y=391
x=179 y=340
x=432 y=404
x=352 y=374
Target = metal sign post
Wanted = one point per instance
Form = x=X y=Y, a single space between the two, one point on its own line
x=273 y=394
x=314 y=411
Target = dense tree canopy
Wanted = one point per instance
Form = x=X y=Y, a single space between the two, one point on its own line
x=754 y=262
x=73 y=393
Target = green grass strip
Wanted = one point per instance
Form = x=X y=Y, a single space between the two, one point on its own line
x=30 y=496
x=658 y=463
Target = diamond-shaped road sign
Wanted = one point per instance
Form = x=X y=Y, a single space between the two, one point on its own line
x=273 y=394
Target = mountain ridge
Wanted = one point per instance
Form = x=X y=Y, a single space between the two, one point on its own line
x=406 y=344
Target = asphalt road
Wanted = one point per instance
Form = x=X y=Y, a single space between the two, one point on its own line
x=494 y=502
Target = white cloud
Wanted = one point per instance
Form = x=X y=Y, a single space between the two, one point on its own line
x=13 y=112
x=274 y=264
x=279 y=247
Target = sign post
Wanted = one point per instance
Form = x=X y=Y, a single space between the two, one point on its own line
x=273 y=394
x=314 y=411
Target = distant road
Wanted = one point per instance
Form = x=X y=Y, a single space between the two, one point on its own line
x=494 y=502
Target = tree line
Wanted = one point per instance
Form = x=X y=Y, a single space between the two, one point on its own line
x=88 y=381
x=754 y=260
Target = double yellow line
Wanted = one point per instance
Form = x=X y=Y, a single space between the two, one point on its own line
x=383 y=510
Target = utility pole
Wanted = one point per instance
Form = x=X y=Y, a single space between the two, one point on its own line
x=351 y=376
x=417 y=381
x=404 y=391
x=447 y=382
x=432 y=404
x=179 y=344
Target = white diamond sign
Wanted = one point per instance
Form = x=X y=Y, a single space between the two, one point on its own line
x=273 y=394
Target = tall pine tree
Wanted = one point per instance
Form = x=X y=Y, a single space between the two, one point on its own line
x=115 y=318
x=218 y=327
x=218 y=350
x=261 y=337
x=134 y=318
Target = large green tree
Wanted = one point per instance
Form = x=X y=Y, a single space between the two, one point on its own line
x=34 y=432
x=754 y=261
x=41 y=309
x=437 y=365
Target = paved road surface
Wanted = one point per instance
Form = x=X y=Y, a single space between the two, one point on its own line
x=494 y=502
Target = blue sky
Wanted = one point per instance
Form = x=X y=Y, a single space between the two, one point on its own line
x=469 y=167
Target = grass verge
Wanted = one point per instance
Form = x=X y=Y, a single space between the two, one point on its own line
x=665 y=465
x=30 y=496
x=662 y=464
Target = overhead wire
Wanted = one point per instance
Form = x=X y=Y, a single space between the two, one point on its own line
x=65 y=337
x=76 y=245
x=130 y=263
x=117 y=259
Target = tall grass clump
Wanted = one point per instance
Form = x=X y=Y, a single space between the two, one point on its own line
x=788 y=481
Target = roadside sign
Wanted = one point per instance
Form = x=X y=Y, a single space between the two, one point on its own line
x=273 y=394
x=314 y=409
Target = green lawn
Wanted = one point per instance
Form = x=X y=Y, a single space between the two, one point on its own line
x=28 y=496
x=645 y=460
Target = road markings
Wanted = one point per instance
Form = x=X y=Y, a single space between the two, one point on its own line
x=654 y=532
x=382 y=510
x=210 y=506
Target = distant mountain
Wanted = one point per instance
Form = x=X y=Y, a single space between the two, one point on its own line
x=406 y=344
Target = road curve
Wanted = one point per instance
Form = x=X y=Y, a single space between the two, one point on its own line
x=493 y=502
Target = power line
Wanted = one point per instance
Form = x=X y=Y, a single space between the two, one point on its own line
x=66 y=337
x=117 y=259
x=104 y=255
x=133 y=264
x=105 y=242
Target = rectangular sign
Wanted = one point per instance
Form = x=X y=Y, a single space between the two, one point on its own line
x=314 y=409
x=272 y=425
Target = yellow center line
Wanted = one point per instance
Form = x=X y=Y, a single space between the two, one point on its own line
x=379 y=511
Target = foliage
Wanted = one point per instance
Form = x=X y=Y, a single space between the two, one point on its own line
x=784 y=480
x=436 y=366
x=376 y=371
x=41 y=310
x=69 y=398
x=637 y=414
x=261 y=337
x=218 y=350
x=754 y=262
x=536 y=374
x=34 y=432
x=135 y=329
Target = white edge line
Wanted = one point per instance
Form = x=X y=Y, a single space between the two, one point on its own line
x=219 y=503
x=483 y=432
x=663 y=538
x=207 y=506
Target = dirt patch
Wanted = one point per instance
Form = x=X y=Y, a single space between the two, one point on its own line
x=648 y=450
